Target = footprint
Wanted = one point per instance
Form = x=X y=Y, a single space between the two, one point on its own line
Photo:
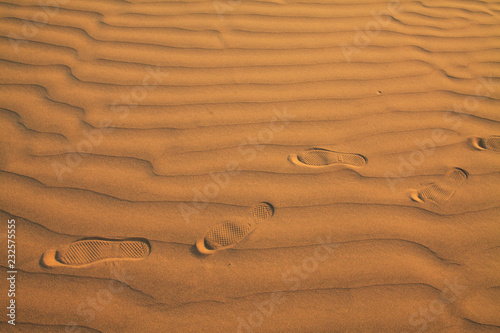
x=223 y=236
x=318 y=157
x=227 y=234
x=490 y=143
x=443 y=190
x=262 y=211
x=84 y=252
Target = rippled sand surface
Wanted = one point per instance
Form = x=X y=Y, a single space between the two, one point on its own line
x=336 y=161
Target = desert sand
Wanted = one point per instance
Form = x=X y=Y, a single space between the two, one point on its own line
x=251 y=166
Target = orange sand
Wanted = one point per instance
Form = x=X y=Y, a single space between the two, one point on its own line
x=131 y=129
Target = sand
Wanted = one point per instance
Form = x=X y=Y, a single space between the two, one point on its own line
x=337 y=160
